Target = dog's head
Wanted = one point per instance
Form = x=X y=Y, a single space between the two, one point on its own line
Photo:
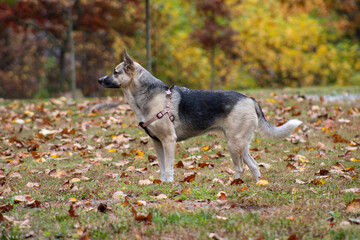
x=122 y=76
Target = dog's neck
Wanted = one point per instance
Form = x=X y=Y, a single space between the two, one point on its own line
x=141 y=90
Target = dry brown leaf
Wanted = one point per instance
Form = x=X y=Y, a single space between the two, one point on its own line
x=85 y=236
x=156 y=181
x=102 y=207
x=237 y=181
x=293 y=237
x=190 y=178
x=353 y=207
x=19 y=199
x=180 y=164
x=33 y=204
x=161 y=196
x=265 y=165
x=152 y=158
x=205 y=164
x=186 y=190
x=221 y=196
x=352 y=190
x=140 y=216
x=72 y=211
x=145 y=182
x=6 y=208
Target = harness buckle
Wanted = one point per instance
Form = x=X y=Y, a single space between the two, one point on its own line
x=159 y=115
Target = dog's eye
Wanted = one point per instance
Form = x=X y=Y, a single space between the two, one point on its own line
x=115 y=72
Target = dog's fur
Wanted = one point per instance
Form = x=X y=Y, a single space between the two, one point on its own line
x=196 y=112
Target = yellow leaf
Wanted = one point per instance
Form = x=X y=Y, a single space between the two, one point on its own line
x=206 y=148
x=72 y=199
x=355 y=160
x=55 y=156
x=262 y=182
x=75 y=180
x=139 y=154
x=124 y=125
x=112 y=150
x=271 y=100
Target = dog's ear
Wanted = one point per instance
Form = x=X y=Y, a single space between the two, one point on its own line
x=127 y=59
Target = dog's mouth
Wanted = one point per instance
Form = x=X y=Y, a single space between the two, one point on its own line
x=108 y=83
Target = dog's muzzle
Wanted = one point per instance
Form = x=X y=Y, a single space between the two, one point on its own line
x=101 y=80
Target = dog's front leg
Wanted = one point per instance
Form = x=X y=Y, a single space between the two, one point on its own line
x=161 y=158
x=169 y=146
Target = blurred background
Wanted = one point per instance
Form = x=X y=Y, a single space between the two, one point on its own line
x=202 y=44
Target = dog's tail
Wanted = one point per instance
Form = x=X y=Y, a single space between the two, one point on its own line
x=272 y=132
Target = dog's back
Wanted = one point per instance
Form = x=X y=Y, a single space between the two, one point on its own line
x=199 y=110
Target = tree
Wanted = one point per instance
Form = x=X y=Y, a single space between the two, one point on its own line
x=48 y=21
x=214 y=33
x=148 y=36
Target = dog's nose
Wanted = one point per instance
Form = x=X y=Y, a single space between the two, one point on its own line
x=100 y=80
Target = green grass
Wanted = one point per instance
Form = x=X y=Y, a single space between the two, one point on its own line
x=191 y=210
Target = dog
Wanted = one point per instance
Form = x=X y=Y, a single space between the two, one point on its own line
x=172 y=114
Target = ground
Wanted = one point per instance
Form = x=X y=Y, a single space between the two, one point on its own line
x=70 y=173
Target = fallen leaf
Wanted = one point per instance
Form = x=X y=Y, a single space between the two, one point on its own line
x=140 y=216
x=19 y=199
x=180 y=164
x=221 y=196
x=156 y=181
x=215 y=236
x=317 y=182
x=353 y=207
x=6 y=208
x=102 y=207
x=141 y=203
x=152 y=158
x=352 y=190
x=293 y=237
x=262 y=182
x=205 y=164
x=322 y=172
x=85 y=236
x=237 y=181
x=33 y=204
x=186 y=190
x=190 y=178
x=118 y=195
x=221 y=218
x=354 y=220
x=265 y=165
x=161 y=196
x=72 y=211
x=206 y=148
x=229 y=171
x=145 y=182
x=14 y=175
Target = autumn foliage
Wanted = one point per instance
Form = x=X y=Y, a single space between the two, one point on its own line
x=200 y=44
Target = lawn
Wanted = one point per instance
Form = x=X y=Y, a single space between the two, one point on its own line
x=71 y=171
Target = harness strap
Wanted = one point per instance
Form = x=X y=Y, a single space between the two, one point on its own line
x=158 y=116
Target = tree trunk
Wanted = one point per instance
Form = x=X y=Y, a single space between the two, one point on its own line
x=72 y=54
x=148 y=47
x=212 y=65
x=62 y=68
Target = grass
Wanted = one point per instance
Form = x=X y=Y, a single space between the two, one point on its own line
x=313 y=210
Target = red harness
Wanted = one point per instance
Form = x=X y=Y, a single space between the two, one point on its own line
x=159 y=115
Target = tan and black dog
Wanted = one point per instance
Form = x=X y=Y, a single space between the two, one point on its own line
x=174 y=114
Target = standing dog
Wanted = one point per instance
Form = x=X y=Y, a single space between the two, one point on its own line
x=191 y=113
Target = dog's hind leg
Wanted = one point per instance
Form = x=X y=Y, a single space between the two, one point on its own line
x=161 y=159
x=252 y=164
x=236 y=152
